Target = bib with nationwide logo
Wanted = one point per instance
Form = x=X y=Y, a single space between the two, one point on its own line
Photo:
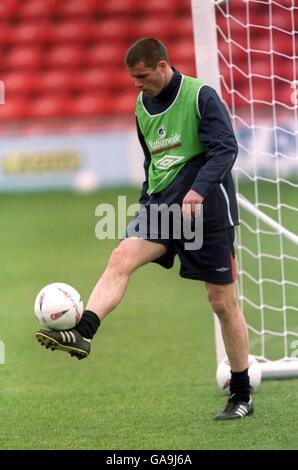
x=171 y=136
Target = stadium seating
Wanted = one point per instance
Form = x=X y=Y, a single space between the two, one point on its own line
x=78 y=8
x=125 y=103
x=21 y=84
x=115 y=8
x=56 y=80
x=90 y=103
x=156 y=26
x=102 y=54
x=36 y=9
x=8 y=9
x=71 y=31
x=15 y=108
x=67 y=56
x=47 y=106
x=157 y=6
x=20 y=58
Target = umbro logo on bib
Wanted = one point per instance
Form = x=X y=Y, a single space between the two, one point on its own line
x=168 y=161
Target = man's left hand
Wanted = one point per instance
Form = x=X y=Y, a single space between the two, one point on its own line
x=191 y=204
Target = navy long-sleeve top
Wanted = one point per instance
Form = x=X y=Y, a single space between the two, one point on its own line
x=213 y=180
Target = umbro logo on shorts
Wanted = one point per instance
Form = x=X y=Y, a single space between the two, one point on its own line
x=223 y=269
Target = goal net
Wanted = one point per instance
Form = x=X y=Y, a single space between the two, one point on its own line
x=247 y=50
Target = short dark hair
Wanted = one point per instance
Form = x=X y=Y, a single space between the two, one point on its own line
x=147 y=50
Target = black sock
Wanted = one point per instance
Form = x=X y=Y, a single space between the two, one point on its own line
x=88 y=324
x=240 y=386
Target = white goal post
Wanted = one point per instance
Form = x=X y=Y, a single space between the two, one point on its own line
x=252 y=63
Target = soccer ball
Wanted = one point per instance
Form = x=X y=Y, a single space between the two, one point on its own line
x=58 y=306
x=223 y=374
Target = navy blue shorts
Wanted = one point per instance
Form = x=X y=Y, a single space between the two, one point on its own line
x=214 y=261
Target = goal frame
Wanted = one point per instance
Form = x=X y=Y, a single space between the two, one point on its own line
x=207 y=67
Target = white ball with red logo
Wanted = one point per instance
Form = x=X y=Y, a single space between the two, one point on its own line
x=223 y=374
x=58 y=306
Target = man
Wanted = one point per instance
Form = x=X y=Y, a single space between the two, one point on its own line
x=190 y=148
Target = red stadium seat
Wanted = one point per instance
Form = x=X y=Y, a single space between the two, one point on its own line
x=282 y=19
x=94 y=78
x=259 y=85
x=257 y=57
x=90 y=104
x=23 y=57
x=17 y=83
x=159 y=7
x=295 y=21
x=226 y=97
x=83 y=81
x=105 y=54
x=38 y=8
x=74 y=31
x=8 y=8
x=183 y=6
x=237 y=26
x=78 y=8
x=285 y=67
x=153 y=26
x=65 y=56
x=119 y=79
x=14 y=108
x=182 y=28
x=239 y=54
x=6 y=34
x=261 y=91
x=257 y=18
x=286 y=95
x=259 y=42
x=111 y=29
x=283 y=44
x=261 y=67
x=186 y=69
x=119 y=8
x=240 y=97
x=289 y=72
x=239 y=74
x=55 y=81
x=286 y=3
x=225 y=78
x=125 y=103
x=32 y=33
x=105 y=78
x=182 y=52
x=255 y=33
x=49 y=106
x=236 y=8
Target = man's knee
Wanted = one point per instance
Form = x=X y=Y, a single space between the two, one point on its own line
x=219 y=305
x=223 y=301
x=121 y=260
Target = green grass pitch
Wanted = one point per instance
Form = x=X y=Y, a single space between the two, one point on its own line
x=150 y=380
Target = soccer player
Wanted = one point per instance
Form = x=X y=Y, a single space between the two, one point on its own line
x=190 y=148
